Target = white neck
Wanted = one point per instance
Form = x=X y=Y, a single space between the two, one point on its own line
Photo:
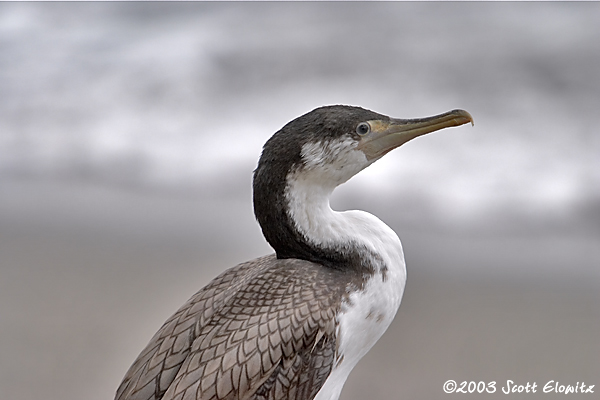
x=309 y=209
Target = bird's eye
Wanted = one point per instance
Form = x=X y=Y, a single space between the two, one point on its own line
x=363 y=128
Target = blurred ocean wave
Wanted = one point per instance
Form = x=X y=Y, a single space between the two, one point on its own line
x=171 y=96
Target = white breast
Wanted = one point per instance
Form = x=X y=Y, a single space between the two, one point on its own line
x=368 y=313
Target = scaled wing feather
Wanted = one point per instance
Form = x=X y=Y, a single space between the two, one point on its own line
x=255 y=332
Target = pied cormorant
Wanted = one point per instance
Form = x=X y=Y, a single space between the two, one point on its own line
x=293 y=324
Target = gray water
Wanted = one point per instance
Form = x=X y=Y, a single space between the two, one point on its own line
x=128 y=136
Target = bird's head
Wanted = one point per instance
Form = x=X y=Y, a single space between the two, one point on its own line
x=331 y=144
x=303 y=162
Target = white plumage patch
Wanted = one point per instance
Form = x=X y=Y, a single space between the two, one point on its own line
x=363 y=320
x=368 y=312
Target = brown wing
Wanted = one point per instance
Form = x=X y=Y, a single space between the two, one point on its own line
x=258 y=331
x=156 y=366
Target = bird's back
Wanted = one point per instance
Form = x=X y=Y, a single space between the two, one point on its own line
x=257 y=331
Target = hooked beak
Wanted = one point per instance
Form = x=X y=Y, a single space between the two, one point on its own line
x=385 y=136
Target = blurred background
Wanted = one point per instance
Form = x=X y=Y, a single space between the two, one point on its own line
x=128 y=136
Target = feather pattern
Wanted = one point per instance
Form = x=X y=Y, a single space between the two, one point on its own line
x=257 y=331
